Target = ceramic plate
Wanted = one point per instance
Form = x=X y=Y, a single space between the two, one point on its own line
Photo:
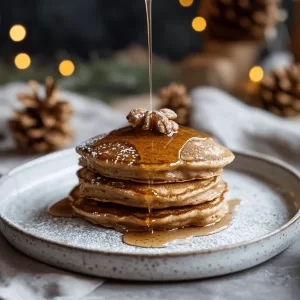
x=266 y=223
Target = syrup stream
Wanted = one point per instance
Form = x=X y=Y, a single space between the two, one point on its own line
x=157 y=239
x=149 y=30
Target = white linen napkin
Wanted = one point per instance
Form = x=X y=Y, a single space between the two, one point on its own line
x=242 y=127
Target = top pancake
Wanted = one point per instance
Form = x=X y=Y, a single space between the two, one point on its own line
x=143 y=156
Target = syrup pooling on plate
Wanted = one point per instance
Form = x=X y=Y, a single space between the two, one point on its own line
x=61 y=208
x=160 y=239
x=154 y=239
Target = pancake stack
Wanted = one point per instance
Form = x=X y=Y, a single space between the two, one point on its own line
x=143 y=178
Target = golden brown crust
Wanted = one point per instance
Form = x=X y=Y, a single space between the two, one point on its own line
x=124 y=218
x=134 y=154
x=158 y=196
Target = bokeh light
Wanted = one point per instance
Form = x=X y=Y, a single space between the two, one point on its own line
x=256 y=74
x=17 y=33
x=66 y=68
x=199 y=24
x=186 y=3
x=22 y=61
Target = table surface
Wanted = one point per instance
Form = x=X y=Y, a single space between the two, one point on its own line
x=277 y=279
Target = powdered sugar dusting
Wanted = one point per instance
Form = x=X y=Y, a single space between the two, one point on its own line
x=87 y=145
x=116 y=152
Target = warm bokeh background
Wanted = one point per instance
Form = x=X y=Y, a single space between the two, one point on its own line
x=90 y=32
x=82 y=27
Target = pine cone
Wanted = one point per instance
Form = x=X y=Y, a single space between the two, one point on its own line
x=235 y=20
x=175 y=97
x=279 y=92
x=43 y=125
x=161 y=121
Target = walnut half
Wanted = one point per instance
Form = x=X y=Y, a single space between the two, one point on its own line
x=161 y=121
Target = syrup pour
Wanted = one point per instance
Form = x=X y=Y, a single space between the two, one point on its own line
x=61 y=208
x=149 y=30
x=149 y=197
x=160 y=239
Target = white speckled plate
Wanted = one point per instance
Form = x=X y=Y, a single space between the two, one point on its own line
x=266 y=223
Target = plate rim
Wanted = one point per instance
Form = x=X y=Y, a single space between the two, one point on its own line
x=250 y=154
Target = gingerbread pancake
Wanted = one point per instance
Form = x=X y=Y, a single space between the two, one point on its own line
x=157 y=196
x=146 y=156
x=124 y=218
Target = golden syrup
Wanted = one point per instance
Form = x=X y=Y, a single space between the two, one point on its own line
x=148 y=222
x=148 y=4
x=166 y=150
x=149 y=31
x=160 y=239
x=61 y=208
x=131 y=145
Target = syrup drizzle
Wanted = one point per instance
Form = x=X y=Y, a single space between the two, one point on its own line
x=161 y=239
x=149 y=31
x=163 y=149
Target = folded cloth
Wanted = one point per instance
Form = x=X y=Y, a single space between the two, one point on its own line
x=20 y=276
x=242 y=127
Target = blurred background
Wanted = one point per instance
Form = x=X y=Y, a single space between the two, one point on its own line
x=86 y=54
x=98 y=47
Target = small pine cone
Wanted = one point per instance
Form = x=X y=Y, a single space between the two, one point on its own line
x=43 y=125
x=235 y=20
x=279 y=92
x=176 y=98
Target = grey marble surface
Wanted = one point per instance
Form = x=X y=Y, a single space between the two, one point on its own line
x=277 y=279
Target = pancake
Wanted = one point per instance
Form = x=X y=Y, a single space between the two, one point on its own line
x=158 y=196
x=123 y=218
x=143 y=156
x=174 y=175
